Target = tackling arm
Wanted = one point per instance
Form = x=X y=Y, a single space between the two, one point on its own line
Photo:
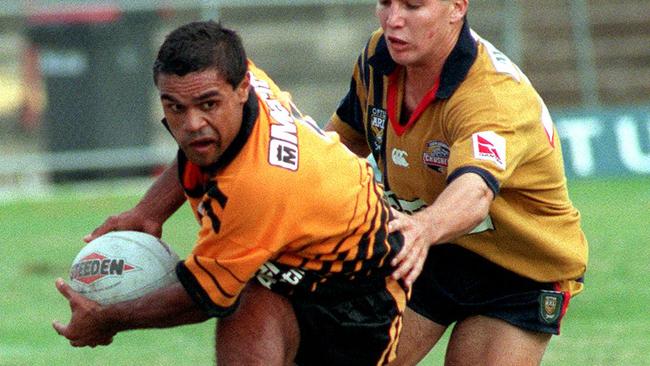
x=462 y=206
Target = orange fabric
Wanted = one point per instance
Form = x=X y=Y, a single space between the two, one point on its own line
x=293 y=195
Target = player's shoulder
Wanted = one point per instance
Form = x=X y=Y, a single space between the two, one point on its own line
x=374 y=43
x=493 y=69
x=494 y=77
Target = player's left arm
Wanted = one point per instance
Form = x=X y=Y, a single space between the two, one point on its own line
x=458 y=209
x=92 y=324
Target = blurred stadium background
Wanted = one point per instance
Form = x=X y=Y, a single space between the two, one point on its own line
x=79 y=115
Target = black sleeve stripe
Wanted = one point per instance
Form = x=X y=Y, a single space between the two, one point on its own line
x=229 y=272
x=214 y=280
x=199 y=296
x=489 y=179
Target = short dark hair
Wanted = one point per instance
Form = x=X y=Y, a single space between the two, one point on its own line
x=198 y=46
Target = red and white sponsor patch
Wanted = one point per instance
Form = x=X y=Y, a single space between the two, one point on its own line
x=490 y=146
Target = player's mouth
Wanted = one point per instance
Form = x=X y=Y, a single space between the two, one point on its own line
x=203 y=144
x=397 y=44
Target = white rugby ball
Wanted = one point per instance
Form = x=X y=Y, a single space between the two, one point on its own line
x=122 y=265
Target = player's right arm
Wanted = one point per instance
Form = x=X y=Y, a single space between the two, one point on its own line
x=163 y=198
x=92 y=324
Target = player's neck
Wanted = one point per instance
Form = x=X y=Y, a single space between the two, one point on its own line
x=418 y=82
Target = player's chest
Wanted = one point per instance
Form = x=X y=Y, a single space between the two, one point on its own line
x=414 y=162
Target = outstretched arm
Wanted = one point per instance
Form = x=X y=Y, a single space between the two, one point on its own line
x=92 y=324
x=163 y=198
x=460 y=208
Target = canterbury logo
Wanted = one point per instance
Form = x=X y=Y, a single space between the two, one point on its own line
x=399 y=158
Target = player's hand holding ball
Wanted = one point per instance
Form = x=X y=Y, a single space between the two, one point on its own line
x=115 y=267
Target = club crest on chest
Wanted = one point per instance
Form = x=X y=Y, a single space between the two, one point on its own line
x=377 y=122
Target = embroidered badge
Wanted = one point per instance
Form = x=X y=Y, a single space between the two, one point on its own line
x=550 y=306
x=490 y=146
x=436 y=156
x=377 y=118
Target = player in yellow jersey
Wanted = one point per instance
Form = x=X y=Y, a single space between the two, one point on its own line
x=471 y=160
x=280 y=203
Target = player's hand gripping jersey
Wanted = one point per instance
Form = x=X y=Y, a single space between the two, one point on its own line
x=290 y=204
x=483 y=117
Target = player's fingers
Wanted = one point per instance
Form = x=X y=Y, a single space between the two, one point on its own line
x=408 y=264
x=395 y=225
x=64 y=289
x=59 y=327
x=403 y=266
x=78 y=344
x=406 y=249
x=97 y=233
x=109 y=225
x=415 y=271
x=398 y=222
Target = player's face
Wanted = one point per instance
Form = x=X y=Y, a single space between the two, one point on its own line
x=203 y=111
x=416 y=30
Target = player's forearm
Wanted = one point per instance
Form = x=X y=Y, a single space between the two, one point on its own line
x=164 y=308
x=164 y=197
x=359 y=147
x=462 y=206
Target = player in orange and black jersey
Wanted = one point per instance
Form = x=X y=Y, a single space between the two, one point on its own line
x=279 y=202
x=254 y=214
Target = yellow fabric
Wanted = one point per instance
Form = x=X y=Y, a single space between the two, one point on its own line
x=534 y=230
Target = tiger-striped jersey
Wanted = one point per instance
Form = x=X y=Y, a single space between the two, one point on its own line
x=483 y=116
x=287 y=203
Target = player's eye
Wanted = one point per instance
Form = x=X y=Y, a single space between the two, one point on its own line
x=176 y=108
x=413 y=5
x=208 y=105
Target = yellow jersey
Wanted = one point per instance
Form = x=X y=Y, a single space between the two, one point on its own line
x=482 y=116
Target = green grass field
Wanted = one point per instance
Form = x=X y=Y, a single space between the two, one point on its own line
x=608 y=324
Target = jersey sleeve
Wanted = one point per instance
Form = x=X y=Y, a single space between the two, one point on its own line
x=218 y=268
x=348 y=119
x=490 y=138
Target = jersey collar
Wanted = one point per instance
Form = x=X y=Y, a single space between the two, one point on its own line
x=454 y=71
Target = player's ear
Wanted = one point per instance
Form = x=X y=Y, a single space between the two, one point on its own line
x=242 y=88
x=458 y=10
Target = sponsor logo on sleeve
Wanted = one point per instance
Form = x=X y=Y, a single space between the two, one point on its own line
x=491 y=147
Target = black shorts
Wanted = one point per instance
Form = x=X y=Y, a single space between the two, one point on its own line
x=358 y=330
x=456 y=283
